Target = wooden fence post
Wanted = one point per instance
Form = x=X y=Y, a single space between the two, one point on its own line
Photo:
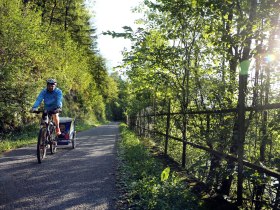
x=277 y=198
x=143 y=123
x=167 y=128
x=148 y=124
x=138 y=124
x=184 y=133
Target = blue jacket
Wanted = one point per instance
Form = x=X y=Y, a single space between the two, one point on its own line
x=52 y=100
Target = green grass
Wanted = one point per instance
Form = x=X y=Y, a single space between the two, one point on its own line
x=147 y=183
x=81 y=126
x=15 y=140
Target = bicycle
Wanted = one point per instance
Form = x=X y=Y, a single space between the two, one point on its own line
x=47 y=135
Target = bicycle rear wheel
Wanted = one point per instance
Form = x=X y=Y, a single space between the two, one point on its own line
x=41 y=145
x=74 y=140
x=53 y=143
x=53 y=146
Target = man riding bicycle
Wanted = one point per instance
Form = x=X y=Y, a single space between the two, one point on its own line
x=52 y=97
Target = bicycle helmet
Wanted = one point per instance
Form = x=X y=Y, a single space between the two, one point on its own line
x=51 y=81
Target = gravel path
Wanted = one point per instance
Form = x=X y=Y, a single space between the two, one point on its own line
x=80 y=178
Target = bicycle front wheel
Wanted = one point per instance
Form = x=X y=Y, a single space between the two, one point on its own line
x=41 y=145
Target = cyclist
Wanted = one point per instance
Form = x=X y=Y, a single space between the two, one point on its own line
x=52 y=97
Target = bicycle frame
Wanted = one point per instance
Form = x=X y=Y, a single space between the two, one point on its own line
x=48 y=124
x=46 y=135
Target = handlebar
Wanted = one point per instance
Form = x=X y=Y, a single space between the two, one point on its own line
x=58 y=110
x=37 y=111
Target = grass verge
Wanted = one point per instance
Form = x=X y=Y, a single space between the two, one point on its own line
x=18 y=139
x=145 y=183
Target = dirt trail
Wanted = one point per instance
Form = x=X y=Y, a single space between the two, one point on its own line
x=81 y=178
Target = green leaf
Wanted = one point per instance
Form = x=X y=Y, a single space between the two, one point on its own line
x=226 y=16
x=194 y=3
x=165 y=174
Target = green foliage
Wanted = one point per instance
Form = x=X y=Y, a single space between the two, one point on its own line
x=19 y=139
x=148 y=185
x=189 y=53
x=118 y=103
x=43 y=39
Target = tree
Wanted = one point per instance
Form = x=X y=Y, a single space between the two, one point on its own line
x=42 y=39
x=196 y=48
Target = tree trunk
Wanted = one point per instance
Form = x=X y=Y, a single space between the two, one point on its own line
x=67 y=7
x=52 y=12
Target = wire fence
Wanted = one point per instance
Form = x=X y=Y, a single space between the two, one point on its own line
x=207 y=149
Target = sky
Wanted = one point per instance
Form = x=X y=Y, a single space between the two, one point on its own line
x=112 y=15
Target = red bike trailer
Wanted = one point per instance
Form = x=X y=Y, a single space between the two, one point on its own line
x=67 y=128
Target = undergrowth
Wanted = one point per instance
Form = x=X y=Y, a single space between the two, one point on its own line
x=144 y=181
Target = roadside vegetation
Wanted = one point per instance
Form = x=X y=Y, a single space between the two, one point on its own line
x=18 y=139
x=41 y=40
x=145 y=183
x=207 y=73
x=52 y=40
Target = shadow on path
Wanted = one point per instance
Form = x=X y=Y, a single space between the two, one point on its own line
x=80 y=178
